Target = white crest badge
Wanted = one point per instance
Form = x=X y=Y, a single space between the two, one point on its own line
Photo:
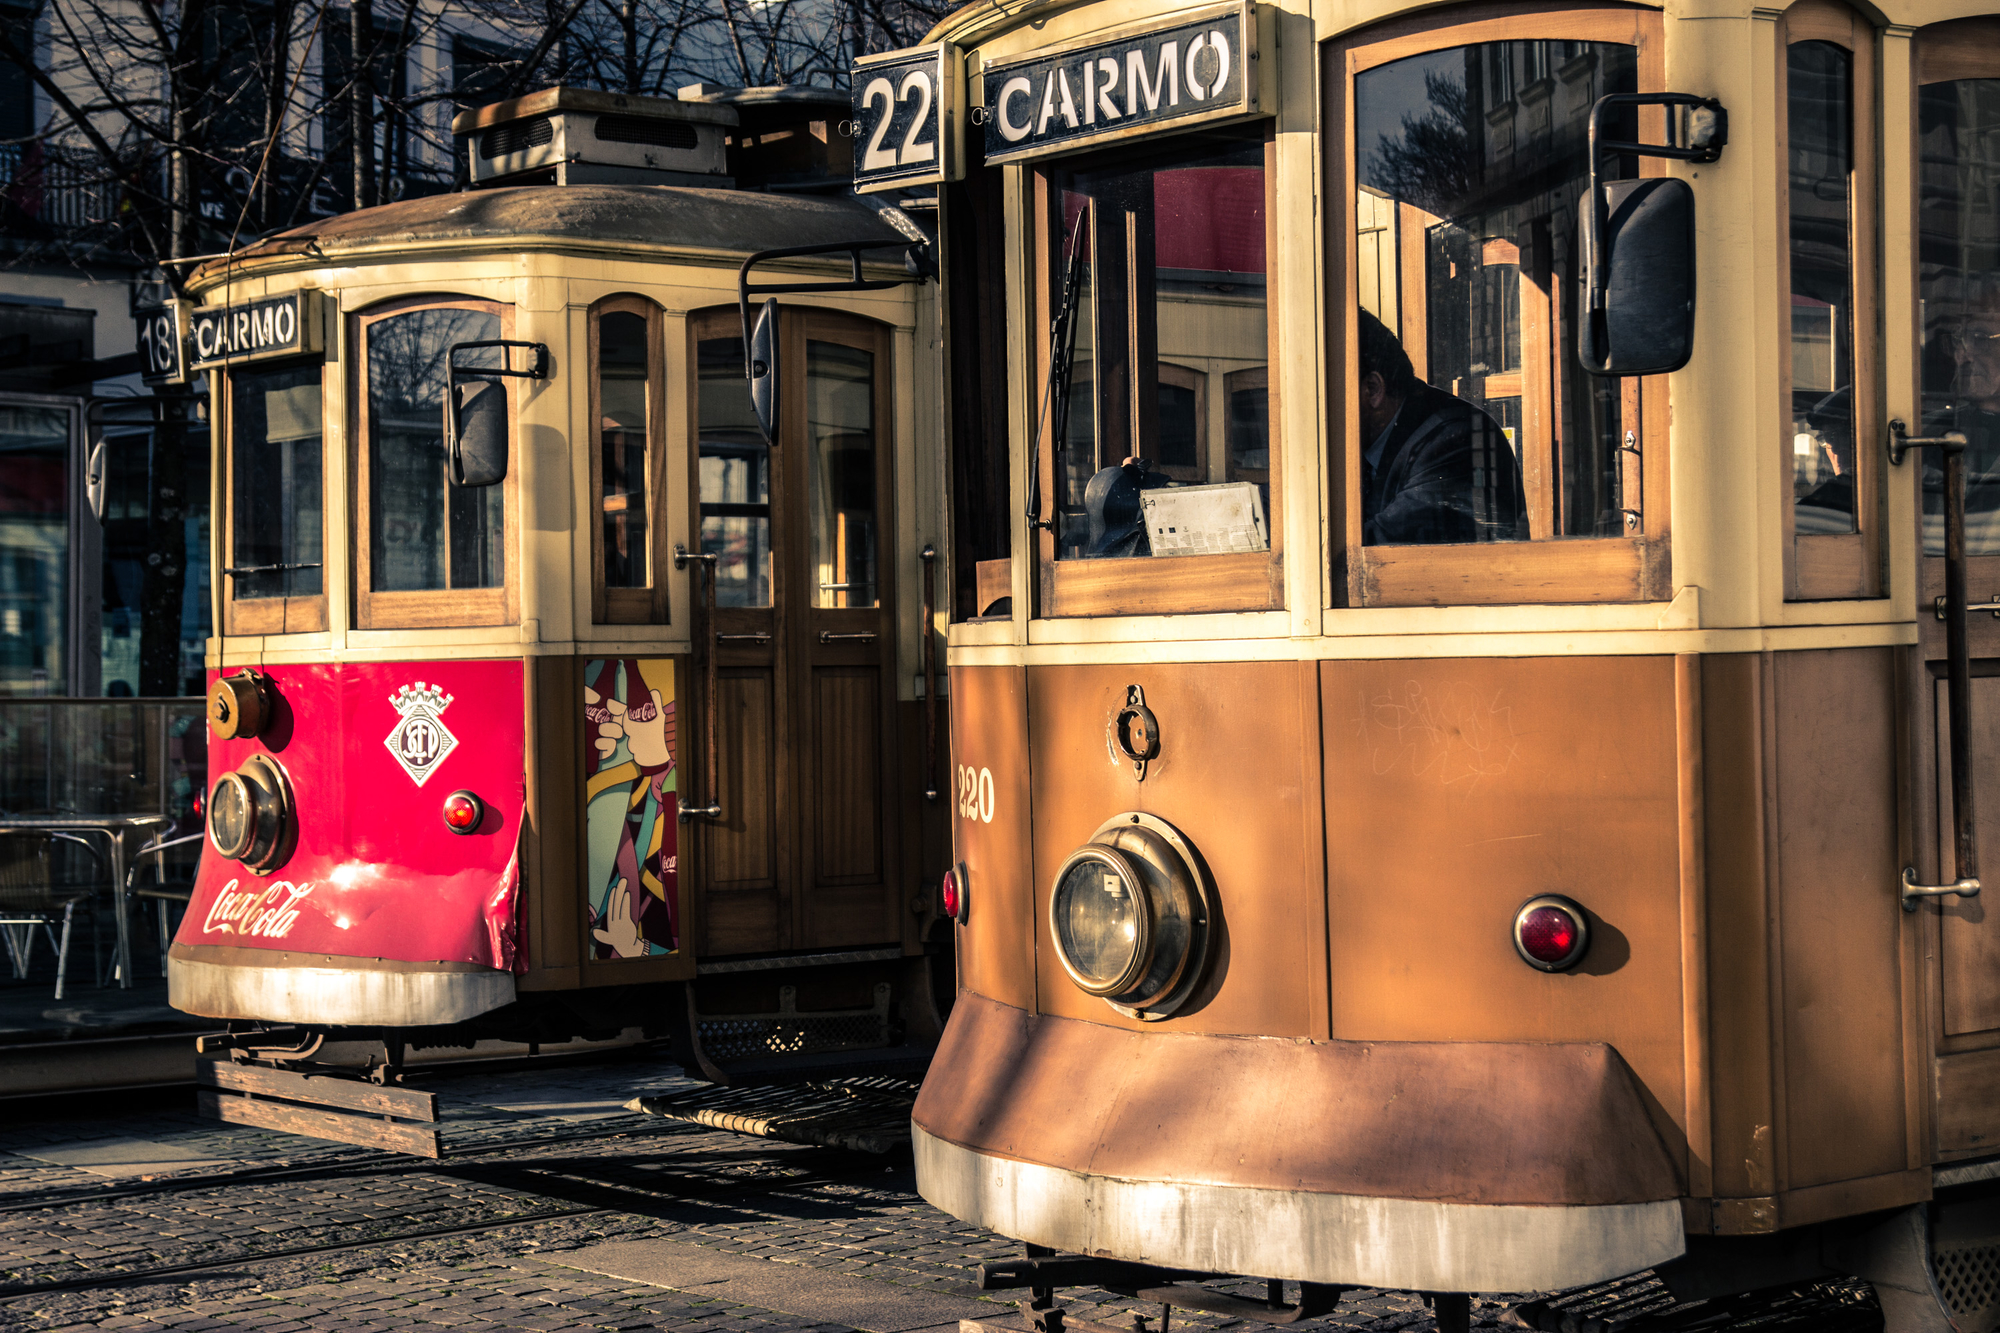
x=420 y=741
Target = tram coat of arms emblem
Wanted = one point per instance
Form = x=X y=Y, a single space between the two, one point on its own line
x=420 y=740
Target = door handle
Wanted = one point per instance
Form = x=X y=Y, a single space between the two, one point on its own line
x=1937 y=604
x=1958 y=666
x=742 y=638
x=706 y=559
x=929 y=556
x=828 y=636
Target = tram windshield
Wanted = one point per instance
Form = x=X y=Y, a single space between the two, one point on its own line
x=426 y=532
x=1476 y=423
x=1958 y=256
x=275 y=432
x=1167 y=383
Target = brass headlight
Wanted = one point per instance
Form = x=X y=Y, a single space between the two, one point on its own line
x=250 y=814
x=1130 y=915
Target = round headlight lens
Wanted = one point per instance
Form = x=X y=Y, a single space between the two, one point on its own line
x=230 y=817
x=1103 y=932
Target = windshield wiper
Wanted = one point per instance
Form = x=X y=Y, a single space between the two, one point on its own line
x=1062 y=352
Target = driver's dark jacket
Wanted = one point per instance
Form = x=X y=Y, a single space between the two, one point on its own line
x=1447 y=474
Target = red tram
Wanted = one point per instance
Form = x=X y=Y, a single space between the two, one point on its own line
x=564 y=686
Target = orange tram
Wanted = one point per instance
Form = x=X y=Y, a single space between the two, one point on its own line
x=569 y=684
x=1475 y=549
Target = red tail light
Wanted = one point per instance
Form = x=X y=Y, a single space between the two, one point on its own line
x=463 y=812
x=1551 y=932
x=952 y=890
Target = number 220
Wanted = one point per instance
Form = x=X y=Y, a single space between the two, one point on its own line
x=975 y=794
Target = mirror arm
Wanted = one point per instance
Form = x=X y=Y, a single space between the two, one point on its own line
x=1708 y=150
x=916 y=257
x=538 y=364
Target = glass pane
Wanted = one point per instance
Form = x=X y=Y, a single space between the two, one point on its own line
x=1819 y=130
x=1168 y=251
x=735 y=477
x=34 y=549
x=621 y=395
x=1473 y=162
x=424 y=531
x=1958 y=264
x=153 y=615
x=274 y=419
x=840 y=428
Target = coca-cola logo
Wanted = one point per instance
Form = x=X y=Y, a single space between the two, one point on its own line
x=259 y=912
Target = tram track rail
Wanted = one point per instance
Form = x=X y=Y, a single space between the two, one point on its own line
x=558 y=1180
x=356 y=1165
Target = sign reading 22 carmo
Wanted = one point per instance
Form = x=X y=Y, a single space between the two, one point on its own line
x=909 y=117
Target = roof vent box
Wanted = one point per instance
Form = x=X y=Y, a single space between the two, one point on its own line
x=573 y=136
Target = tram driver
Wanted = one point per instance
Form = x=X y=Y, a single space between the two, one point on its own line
x=1435 y=468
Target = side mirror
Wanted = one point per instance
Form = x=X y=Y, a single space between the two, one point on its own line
x=94 y=480
x=476 y=425
x=1647 y=270
x=475 y=433
x=763 y=370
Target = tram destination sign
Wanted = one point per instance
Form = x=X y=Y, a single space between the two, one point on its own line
x=909 y=118
x=1138 y=81
x=162 y=343
x=254 y=331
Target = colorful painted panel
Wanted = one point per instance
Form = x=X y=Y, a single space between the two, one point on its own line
x=631 y=807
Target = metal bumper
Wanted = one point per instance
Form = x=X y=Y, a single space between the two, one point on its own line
x=327 y=991
x=1417 y=1166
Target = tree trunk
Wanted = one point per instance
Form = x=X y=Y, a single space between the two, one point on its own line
x=361 y=116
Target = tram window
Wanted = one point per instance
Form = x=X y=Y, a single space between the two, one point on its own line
x=626 y=407
x=1475 y=422
x=1170 y=248
x=1832 y=404
x=275 y=468
x=1820 y=156
x=424 y=533
x=1958 y=265
x=735 y=477
x=840 y=422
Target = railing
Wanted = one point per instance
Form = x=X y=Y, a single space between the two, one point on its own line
x=103 y=756
x=46 y=185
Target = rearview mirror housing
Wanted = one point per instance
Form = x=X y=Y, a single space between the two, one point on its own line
x=1646 y=325
x=475 y=432
x=763 y=370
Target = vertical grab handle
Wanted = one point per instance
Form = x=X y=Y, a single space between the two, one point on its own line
x=929 y=556
x=706 y=559
x=1958 y=667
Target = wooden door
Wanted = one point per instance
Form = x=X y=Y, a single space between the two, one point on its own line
x=804 y=632
x=1958 y=150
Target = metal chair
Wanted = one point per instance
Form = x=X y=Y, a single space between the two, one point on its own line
x=32 y=894
x=162 y=894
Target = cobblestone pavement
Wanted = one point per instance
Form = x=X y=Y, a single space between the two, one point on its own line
x=557 y=1210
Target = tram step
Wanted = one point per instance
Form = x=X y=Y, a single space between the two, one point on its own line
x=321 y=1106
x=869 y=1114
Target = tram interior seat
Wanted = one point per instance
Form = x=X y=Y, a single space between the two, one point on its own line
x=44 y=879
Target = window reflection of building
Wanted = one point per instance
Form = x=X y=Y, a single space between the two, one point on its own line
x=1472 y=164
x=1958 y=257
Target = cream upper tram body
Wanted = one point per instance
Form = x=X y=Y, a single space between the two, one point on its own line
x=569 y=684
x=1468 y=743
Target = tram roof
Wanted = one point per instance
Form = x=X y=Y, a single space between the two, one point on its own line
x=655 y=217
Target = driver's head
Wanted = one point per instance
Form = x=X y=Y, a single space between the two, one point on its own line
x=1382 y=354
